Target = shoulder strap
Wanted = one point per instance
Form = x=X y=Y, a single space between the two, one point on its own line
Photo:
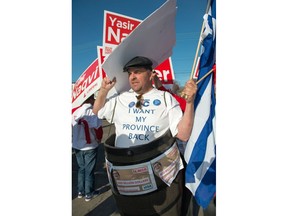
x=112 y=117
x=165 y=98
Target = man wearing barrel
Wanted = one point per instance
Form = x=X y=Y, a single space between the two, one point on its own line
x=147 y=122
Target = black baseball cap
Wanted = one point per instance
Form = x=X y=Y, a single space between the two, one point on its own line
x=138 y=61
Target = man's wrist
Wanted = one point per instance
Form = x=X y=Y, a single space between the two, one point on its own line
x=104 y=90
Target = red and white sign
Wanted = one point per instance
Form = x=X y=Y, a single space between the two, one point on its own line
x=101 y=58
x=87 y=84
x=115 y=29
x=196 y=70
x=165 y=73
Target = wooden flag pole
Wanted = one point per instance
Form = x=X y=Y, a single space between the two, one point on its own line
x=196 y=54
x=198 y=81
x=209 y=72
x=197 y=50
x=199 y=43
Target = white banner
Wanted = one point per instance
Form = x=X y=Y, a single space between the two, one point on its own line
x=153 y=38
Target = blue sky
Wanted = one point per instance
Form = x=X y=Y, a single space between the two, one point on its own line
x=87 y=30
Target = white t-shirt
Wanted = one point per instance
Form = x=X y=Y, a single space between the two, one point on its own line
x=78 y=132
x=135 y=126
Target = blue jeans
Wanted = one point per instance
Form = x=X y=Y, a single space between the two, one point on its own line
x=86 y=161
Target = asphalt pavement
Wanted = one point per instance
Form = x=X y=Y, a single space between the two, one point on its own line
x=104 y=204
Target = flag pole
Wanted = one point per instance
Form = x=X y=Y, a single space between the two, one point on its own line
x=209 y=72
x=196 y=54
x=198 y=46
x=199 y=42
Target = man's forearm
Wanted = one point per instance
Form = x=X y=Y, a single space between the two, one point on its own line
x=185 y=125
x=100 y=100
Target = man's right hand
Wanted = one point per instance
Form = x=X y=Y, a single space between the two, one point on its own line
x=108 y=84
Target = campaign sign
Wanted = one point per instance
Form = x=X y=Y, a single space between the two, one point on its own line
x=165 y=72
x=87 y=84
x=101 y=59
x=115 y=29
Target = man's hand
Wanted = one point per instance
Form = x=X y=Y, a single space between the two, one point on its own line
x=189 y=91
x=108 y=84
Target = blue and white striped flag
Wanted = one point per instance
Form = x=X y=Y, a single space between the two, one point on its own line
x=200 y=152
